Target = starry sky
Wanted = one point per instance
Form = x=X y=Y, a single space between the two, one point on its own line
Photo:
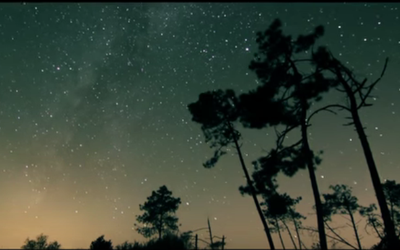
x=93 y=114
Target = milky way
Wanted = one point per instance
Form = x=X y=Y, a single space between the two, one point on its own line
x=93 y=113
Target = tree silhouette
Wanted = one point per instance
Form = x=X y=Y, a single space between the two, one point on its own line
x=373 y=219
x=159 y=213
x=357 y=92
x=391 y=189
x=341 y=201
x=216 y=111
x=187 y=239
x=291 y=93
x=392 y=195
x=274 y=221
x=128 y=246
x=40 y=243
x=167 y=241
x=280 y=208
x=101 y=244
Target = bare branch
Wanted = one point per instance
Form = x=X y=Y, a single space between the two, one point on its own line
x=327 y=108
x=371 y=87
x=348 y=124
x=291 y=146
x=282 y=135
x=360 y=86
x=340 y=90
x=329 y=236
x=337 y=235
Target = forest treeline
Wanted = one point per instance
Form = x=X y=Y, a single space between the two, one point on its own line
x=158 y=222
x=294 y=75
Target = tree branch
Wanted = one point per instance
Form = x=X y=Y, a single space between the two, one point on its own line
x=329 y=236
x=337 y=235
x=327 y=108
x=371 y=87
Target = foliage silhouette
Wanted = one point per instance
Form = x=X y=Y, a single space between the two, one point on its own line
x=101 y=244
x=391 y=191
x=128 y=246
x=167 y=241
x=216 y=111
x=40 y=243
x=341 y=201
x=357 y=93
x=281 y=208
x=373 y=219
x=291 y=94
x=159 y=213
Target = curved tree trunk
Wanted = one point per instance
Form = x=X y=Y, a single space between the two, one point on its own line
x=389 y=225
x=387 y=220
x=314 y=185
x=252 y=190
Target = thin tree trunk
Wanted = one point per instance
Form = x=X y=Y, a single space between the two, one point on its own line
x=209 y=230
x=339 y=239
x=252 y=190
x=296 y=227
x=376 y=181
x=310 y=166
x=290 y=234
x=375 y=228
x=355 y=228
x=279 y=232
x=304 y=245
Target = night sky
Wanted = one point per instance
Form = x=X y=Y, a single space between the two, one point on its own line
x=93 y=114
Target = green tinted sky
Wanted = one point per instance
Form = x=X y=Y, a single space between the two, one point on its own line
x=93 y=113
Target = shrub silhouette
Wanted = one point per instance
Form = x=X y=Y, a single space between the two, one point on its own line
x=101 y=244
x=40 y=243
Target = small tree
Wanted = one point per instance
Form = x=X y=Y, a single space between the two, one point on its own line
x=373 y=219
x=281 y=208
x=101 y=244
x=159 y=213
x=127 y=246
x=391 y=191
x=40 y=243
x=341 y=201
x=392 y=195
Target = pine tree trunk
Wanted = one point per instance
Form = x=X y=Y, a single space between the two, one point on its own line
x=296 y=227
x=252 y=190
x=389 y=225
x=279 y=233
x=314 y=185
x=290 y=234
x=209 y=231
x=355 y=228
